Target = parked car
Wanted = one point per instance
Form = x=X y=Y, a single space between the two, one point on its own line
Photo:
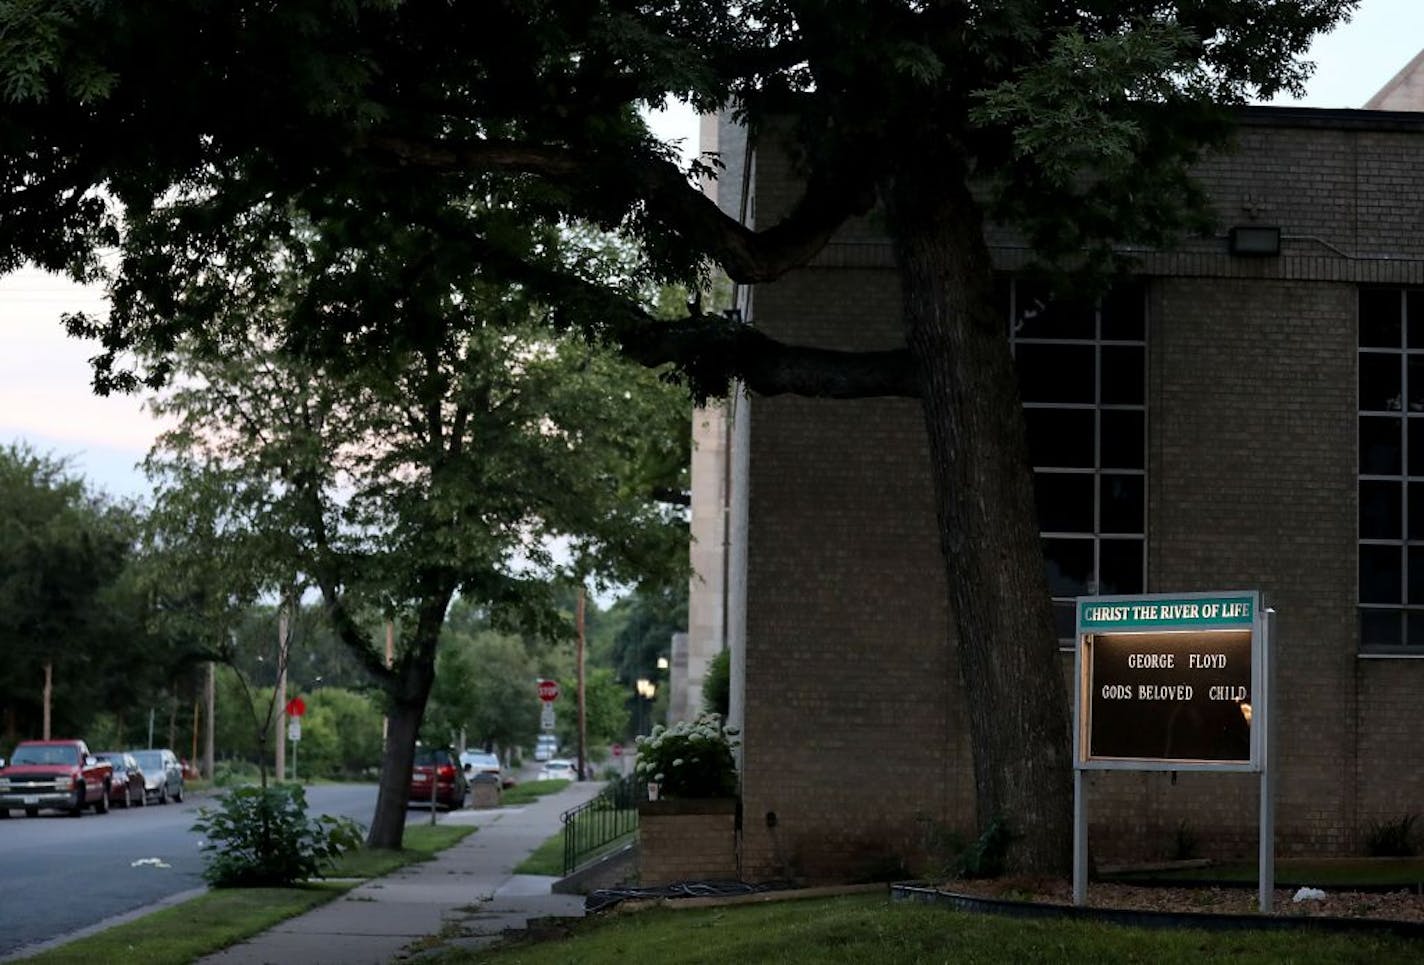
x=126 y=787
x=482 y=762
x=559 y=769
x=439 y=766
x=60 y=774
x=162 y=774
x=545 y=747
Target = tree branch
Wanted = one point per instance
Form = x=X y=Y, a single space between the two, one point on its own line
x=669 y=197
x=710 y=350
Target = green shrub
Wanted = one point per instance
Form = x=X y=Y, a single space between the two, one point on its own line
x=717 y=685
x=234 y=773
x=1391 y=839
x=985 y=857
x=261 y=837
x=690 y=759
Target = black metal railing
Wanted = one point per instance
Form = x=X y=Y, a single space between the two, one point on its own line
x=595 y=824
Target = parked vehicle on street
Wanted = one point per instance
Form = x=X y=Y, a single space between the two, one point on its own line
x=126 y=785
x=59 y=774
x=162 y=774
x=437 y=766
x=545 y=747
x=482 y=762
x=559 y=769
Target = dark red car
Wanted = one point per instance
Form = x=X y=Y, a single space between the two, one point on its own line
x=126 y=788
x=440 y=767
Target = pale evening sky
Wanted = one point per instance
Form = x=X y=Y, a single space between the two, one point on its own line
x=45 y=396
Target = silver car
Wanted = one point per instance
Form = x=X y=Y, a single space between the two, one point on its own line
x=162 y=775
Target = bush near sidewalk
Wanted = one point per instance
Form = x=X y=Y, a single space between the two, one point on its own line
x=262 y=837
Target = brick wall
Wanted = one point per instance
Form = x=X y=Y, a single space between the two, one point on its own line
x=855 y=746
x=680 y=840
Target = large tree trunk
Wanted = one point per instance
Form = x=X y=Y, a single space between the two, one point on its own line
x=1002 y=612
x=388 y=823
x=409 y=692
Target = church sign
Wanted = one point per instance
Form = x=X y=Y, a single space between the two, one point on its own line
x=1168 y=682
x=1173 y=682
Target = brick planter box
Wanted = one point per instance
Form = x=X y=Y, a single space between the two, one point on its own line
x=687 y=839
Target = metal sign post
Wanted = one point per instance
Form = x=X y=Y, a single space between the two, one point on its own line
x=1266 y=872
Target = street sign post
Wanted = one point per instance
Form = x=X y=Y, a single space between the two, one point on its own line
x=546 y=719
x=295 y=708
x=548 y=691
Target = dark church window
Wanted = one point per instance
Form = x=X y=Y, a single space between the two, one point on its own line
x=1082 y=367
x=1390 y=494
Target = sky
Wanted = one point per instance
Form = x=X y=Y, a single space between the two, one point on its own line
x=45 y=396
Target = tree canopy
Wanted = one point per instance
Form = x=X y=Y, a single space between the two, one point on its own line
x=71 y=599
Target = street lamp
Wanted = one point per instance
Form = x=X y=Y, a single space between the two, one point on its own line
x=646 y=691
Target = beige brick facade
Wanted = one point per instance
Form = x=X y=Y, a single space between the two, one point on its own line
x=855 y=754
x=687 y=840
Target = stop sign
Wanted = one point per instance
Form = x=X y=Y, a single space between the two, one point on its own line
x=616 y=750
x=548 y=691
x=296 y=707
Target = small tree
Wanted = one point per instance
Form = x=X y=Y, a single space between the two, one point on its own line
x=261 y=837
x=717 y=685
x=394 y=483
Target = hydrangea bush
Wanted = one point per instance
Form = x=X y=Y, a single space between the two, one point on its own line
x=690 y=759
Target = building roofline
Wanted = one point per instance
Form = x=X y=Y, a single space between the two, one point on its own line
x=1331 y=118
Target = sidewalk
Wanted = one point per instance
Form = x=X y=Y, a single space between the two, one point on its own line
x=468 y=895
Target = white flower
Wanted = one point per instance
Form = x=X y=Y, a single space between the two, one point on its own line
x=677 y=763
x=659 y=776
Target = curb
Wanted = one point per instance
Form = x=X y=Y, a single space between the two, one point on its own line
x=1208 y=921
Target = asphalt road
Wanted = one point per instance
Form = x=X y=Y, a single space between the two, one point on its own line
x=59 y=874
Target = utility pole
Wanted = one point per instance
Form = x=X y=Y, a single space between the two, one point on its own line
x=390 y=659
x=210 y=691
x=48 y=694
x=284 y=619
x=582 y=706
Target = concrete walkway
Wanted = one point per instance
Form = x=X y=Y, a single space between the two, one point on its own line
x=468 y=895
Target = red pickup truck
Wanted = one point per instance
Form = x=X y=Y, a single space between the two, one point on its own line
x=58 y=774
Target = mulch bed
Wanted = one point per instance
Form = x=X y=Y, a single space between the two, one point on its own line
x=1391 y=906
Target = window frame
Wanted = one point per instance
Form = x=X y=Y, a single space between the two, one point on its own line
x=1097 y=471
x=1404 y=412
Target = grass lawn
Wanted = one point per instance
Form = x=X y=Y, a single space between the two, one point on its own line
x=186 y=932
x=212 y=922
x=419 y=843
x=871 y=929
x=548 y=858
x=531 y=790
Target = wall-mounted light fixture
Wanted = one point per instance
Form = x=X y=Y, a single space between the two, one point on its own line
x=1260 y=241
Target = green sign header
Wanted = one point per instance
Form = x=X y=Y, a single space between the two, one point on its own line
x=1156 y=613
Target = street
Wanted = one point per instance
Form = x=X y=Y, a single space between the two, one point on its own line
x=58 y=873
